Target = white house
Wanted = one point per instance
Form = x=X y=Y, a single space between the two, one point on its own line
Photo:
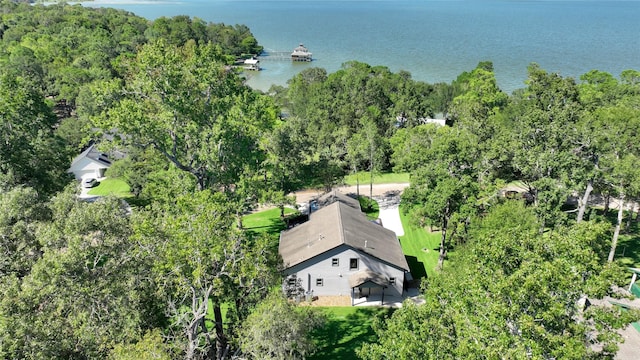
x=339 y=252
x=89 y=164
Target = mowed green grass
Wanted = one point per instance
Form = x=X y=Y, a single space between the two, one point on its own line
x=111 y=186
x=628 y=247
x=346 y=329
x=266 y=221
x=420 y=247
x=628 y=250
x=384 y=178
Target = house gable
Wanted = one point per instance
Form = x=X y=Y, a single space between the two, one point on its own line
x=335 y=225
x=335 y=244
x=330 y=272
x=90 y=163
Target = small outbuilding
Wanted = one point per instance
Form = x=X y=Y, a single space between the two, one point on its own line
x=252 y=64
x=91 y=163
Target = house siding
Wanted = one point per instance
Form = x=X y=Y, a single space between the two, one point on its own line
x=335 y=279
x=87 y=168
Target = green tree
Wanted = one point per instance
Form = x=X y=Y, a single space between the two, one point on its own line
x=543 y=123
x=21 y=212
x=27 y=137
x=618 y=129
x=150 y=347
x=202 y=262
x=373 y=147
x=527 y=310
x=278 y=329
x=337 y=111
x=139 y=168
x=444 y=187
x=480 y=101
x=89 y=290
x=185 y=104
x=290 y=164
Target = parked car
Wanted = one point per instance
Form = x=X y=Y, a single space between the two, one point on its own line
x=89 y=182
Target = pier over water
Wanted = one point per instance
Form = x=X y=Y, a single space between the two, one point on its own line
x=275 y=56
x=300 y=53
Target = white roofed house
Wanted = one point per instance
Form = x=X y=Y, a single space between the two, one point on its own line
x=301 y=53
x=91 y=163
x=339 y=252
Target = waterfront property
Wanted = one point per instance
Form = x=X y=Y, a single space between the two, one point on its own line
x=252 y=64
x=301 y=53
x=338 y=252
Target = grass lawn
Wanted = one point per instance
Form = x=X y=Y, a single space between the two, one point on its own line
x=347 y=328
x=628 y=250
x=420 y=247
x=385 y=178
x=266 y=221
x=111 y=186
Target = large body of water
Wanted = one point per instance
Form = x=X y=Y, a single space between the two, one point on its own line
x=434 y=40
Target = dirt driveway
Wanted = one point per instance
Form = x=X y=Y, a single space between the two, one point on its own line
x=379 y=190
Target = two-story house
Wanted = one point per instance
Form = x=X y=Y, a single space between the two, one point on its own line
x=339 y=252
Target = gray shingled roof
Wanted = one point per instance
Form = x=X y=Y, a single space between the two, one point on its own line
x=92 y=153
x=335 y=225
x=334 y=196
x=365 y=276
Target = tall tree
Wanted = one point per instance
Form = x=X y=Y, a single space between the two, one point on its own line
x=367 y=147
x=528 y=307
x=202 y=262
x=277 y=329
x=480 y=101
x=618 y=129
x=186 y=104
x=21 y=213
x=30 y=154
x=89 y=291
x=444 y=185
x=543 y=123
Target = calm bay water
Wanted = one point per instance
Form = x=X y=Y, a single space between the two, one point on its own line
x=434 y=40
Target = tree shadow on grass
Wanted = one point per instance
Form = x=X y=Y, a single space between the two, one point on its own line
x=628 y=250
x=275 y=226
x=416 y=267
x=342 y=336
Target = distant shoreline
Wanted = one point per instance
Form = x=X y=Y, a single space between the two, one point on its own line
x=124 y=2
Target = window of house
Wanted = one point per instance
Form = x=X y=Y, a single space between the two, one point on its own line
x=335 y=262
x=319 y=282
x=292 y=280
x=353 y=264
x=392 y=281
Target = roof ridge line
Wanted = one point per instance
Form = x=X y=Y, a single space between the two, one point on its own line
x=340 y=226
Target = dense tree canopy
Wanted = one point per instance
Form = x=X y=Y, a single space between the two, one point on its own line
x=185 y=104
x=509 y=294
x=175 y=274
x=30 y=153
x=88 y=289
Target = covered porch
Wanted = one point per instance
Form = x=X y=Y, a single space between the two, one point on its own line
x=367 y=284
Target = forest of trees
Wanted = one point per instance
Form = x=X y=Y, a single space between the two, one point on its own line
x=177 y=276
